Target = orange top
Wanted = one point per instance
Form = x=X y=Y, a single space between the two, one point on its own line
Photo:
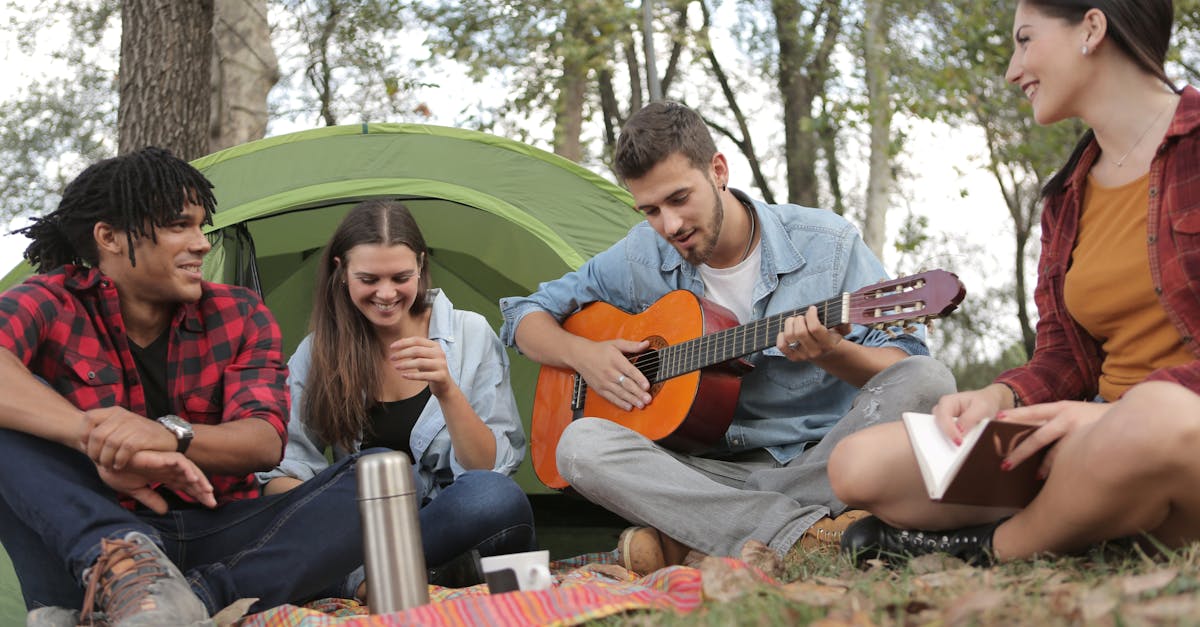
x=1109 y=290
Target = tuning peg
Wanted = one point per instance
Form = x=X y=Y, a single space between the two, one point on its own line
x=912 y=328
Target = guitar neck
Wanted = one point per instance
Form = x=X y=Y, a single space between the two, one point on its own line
x=734 y=342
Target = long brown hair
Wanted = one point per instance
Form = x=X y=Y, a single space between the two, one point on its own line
x=344 y=374
x=1141 y=29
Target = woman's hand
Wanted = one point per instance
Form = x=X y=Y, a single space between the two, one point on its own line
x=957 y=413
x=1057 y=421
x=422 y=359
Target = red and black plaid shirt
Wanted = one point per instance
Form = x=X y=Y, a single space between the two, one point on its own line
x=1066 y=363
x=224 y=357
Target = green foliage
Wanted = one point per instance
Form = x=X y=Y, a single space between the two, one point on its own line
x=342 y=61
x=57 y=124
x=537 y=48
x=1186 y=50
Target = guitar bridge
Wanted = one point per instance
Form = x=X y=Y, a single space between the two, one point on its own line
x=578 y=392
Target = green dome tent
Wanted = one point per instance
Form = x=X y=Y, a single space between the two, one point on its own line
x=499 y=216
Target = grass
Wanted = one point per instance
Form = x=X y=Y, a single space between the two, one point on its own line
x=1113 y=585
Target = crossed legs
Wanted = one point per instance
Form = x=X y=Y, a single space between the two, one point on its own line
x=1133 y=471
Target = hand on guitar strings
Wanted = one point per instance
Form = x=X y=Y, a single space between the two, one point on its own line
x=607 y=369
x=804 y=338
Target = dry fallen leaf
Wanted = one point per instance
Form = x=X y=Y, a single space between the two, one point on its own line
x=969 y=606
x=614 y=571
x=1167 y=609
x=1097 y=603
x=722 y=582
x=830 y=581
x=762 y=557
x=933 y=563
x=947 y=578
x=1150 y=582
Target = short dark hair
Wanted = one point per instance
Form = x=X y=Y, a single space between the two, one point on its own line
x=657 y=131
x=133 y=193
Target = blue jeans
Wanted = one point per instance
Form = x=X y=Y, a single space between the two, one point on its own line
x=285 y=548
x=481 y=510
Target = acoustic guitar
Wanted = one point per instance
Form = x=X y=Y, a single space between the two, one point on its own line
x=694 y=363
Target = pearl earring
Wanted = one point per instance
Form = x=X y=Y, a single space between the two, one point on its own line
x=1084 y=51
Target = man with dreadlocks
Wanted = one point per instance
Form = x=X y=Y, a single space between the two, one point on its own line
x=138 y=401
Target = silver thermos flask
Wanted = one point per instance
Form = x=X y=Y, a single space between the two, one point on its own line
x=394 y=560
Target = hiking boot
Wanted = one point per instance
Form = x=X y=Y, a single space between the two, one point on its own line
x=133 y=584
x=871 y=538
x=827 y=532
x=643 y=550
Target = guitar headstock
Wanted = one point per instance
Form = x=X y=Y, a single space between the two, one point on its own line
x=907 y=300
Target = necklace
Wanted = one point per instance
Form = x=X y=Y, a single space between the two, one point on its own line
x=753 y=229
x=1120 y=162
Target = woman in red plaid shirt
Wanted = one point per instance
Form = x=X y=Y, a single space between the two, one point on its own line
x=1113 y=382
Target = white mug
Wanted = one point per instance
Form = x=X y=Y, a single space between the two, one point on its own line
x=517 y=571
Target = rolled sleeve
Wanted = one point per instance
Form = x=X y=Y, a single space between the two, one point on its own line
x=304 y=455
x=489 y=390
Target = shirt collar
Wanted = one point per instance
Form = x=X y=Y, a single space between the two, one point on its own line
x=441 y=318
x=83 y=279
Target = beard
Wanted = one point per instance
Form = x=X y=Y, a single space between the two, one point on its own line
x=700 y=254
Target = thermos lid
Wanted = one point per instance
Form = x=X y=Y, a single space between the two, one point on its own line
x=385 y=475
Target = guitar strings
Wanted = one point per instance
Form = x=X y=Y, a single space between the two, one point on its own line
x=698 y=352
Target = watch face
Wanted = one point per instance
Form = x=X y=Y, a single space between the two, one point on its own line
x=181 y=428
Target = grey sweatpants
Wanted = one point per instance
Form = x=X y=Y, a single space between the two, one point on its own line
x=716 y=505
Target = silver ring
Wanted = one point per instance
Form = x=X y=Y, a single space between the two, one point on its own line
x=620 y=379
x=794 y=345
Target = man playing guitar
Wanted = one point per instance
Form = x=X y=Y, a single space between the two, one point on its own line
x=765 y=479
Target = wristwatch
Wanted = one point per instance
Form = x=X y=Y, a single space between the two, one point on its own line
x=180 y=428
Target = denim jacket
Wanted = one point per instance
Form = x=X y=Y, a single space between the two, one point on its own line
x=478 y=364
x=808 y=255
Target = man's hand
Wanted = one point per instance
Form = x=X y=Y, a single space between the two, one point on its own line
x=607 y=369
x=804 y=338
x=114 y=434
x=146 y=468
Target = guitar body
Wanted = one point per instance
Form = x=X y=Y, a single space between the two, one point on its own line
x=688 y=412
x=694 y=361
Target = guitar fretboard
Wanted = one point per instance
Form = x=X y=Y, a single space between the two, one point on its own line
x=734 y=342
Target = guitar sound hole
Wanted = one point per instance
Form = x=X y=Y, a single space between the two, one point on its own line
x=648 y=363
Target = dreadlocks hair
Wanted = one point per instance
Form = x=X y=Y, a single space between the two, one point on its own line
x=133 y=193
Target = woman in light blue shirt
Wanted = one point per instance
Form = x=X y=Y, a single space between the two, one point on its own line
x=391 y=364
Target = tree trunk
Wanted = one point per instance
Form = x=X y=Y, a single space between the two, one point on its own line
x=803 y=65
x=243 y=71
x=879 y=106
x=166 y=48
x=568 y=115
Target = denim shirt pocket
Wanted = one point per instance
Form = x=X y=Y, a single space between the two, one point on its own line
x=790 y=375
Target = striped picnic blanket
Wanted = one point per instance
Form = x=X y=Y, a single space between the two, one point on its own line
x=585 y=590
